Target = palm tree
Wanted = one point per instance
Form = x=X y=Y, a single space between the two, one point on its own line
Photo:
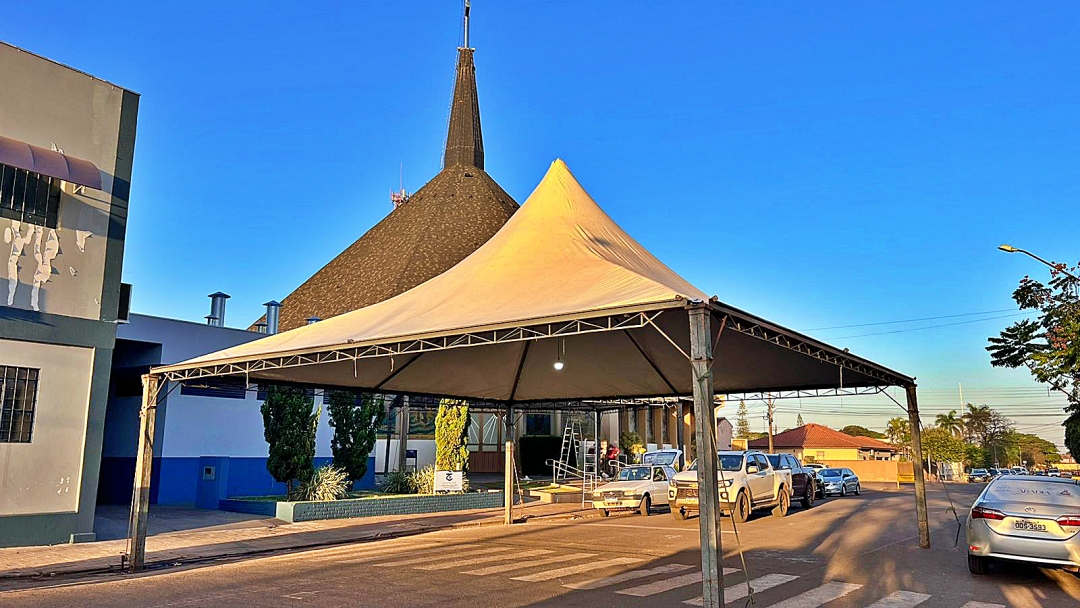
x=951 y=423
x=898 y=431
x=976 y=420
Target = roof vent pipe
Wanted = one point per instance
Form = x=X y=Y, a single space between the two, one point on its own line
x=217 y=309
x=273 y=315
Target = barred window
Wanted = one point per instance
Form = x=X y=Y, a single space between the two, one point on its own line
x=18 y=386
x=29 y=197
x=225 y=388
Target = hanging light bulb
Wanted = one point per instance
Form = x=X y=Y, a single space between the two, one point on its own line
x=559 y=365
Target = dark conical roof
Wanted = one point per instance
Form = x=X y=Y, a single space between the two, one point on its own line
x=441 y=224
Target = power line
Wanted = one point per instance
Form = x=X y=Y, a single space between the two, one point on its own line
x=901 y=331
x=966 y=314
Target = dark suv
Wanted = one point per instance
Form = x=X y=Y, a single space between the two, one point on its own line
x=803 y=481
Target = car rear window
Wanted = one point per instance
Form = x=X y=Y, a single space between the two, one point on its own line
x=1016 y=489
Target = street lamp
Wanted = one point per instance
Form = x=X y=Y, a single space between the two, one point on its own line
x=1011 y=249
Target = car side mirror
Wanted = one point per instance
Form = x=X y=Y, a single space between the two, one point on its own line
x=751 y=469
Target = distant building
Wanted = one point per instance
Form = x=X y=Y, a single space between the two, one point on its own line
x=67 y=141
x=818 y=443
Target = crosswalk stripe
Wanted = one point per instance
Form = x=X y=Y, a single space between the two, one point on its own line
x=622 y=577
x=528 y=564
x=480 y=560
x=982 y=605
x=668 y=584
x=578 y=569
x=366 y=556
x=737 y=592
x=900 y=599
x=428 y=557
x=818 y=595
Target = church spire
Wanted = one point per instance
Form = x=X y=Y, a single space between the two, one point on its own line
x=464 y=141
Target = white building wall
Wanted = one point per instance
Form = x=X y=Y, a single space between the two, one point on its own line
x=45 y=475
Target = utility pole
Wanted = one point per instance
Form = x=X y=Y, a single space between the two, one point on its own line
x=770 y=404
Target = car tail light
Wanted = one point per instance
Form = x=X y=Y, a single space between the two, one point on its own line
x=1069 y=520
x=984 y=513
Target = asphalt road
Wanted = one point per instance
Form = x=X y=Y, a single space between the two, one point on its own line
x=854 y=551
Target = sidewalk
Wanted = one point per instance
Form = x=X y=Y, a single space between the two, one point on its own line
x=248 y=537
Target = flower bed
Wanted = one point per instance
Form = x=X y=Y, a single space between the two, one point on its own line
x=369 y=506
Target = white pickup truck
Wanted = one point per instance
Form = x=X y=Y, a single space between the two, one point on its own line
x=747 y=482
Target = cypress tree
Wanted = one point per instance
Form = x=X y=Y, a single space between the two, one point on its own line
x=355 y=419
x=289 y=429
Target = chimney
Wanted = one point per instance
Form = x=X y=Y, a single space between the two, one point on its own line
x=273 y=315
x=312 y=320
x=260 y=327
x=217 y=309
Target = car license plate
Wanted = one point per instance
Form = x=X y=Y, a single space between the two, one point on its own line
x=1029 y=526
x=611 y=499
x=690 y=500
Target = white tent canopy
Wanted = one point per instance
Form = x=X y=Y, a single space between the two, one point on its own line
x=560 y=268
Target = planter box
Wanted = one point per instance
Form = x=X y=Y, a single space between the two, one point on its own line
x=297 y=511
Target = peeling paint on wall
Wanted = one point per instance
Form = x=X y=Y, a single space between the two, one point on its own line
x=44 y=257
x=80 y=239
x=13 y=235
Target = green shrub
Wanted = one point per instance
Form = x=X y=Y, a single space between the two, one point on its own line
x=327 y=483
x=631 y=444
x=452 y=436
x=355 y=418
x=289 y=429
x=397 y=482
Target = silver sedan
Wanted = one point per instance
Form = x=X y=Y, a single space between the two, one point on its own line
x=1025 y=519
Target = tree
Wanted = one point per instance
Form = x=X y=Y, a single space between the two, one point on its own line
x=975 y=420
x=1049 y=345
x=898 y=430
x=289 y=429
x=452 y=436
x=861 y=431
x=355 y=419
x=975 y=456
x=799 y=421
x=941 y=445
x=742 y=424
x=1033 y=449
x=951 y=423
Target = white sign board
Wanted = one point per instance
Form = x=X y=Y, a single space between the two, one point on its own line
x=448 y=481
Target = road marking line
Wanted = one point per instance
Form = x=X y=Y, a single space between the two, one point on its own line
x=900 y=599
x=385 y=550
x=737 y=592
x=428 y=557
x=596 y=583
x=392 y=551
x=982 y=605
x=600 y=523
x=819 y=595
x=668 y=584
x=578 y=569
x=528 y=564
x=480 y=560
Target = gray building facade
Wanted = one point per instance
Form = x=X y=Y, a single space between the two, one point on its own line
x=67 y=143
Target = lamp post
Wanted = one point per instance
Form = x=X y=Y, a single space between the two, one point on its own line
x=1011 y=249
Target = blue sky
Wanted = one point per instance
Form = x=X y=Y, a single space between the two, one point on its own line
x=819 y=165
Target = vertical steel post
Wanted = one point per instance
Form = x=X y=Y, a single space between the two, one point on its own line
x=508 y=470
x=681 y=436
x=712 y=572
x=917 y=462
x=140 y=499
x=403 y=433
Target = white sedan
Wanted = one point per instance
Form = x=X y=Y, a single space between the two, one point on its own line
x=635 y=490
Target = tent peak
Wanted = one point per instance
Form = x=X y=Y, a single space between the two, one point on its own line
x=464 y=139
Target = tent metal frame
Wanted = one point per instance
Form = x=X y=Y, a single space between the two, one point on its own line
x=703 y=345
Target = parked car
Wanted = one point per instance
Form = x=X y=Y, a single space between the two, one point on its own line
x=746 y=482
x=803 y=479
x=636 y=488
x=994 y=473
x=1025 y=519
x=1053 y=472
x=669 y=457
x=979 y=476
x=816 y=466
x=840 y=482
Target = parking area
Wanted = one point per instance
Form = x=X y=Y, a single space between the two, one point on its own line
x=851 y=551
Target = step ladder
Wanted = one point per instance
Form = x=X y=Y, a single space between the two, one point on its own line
x=571 y=440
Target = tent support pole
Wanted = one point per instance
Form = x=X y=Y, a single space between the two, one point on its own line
x=508 y=469
x=712 y=574
x=403 y=434
x=917 y=461
x=140 y=499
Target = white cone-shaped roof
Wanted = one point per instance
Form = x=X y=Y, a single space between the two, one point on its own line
x=559 y=255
